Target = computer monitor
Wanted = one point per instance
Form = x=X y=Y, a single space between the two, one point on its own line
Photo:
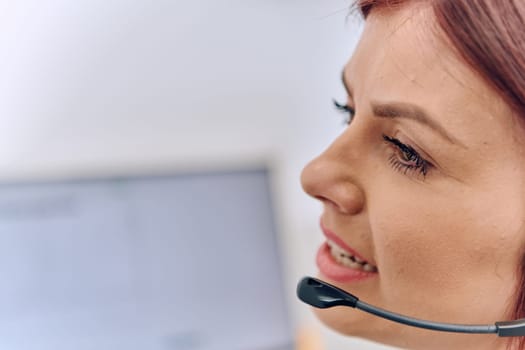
x=172 y=262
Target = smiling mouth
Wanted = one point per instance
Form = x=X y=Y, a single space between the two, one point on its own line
x=346 y=259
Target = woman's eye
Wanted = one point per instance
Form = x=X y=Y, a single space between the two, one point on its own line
x=348 y=111
x=406 y=159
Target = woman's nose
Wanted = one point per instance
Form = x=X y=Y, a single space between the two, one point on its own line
x=332 y=179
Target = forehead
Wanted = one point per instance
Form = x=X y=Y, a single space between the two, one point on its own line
x=403 y=57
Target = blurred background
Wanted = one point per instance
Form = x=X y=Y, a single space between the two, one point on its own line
x=150 y=154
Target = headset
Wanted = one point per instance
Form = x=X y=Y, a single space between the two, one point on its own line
x=324 y=295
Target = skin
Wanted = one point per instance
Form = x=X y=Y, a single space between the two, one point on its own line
x=446 y=244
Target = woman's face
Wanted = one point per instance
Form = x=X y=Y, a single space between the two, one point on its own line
x=426 y=185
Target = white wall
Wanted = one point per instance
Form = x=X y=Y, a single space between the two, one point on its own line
x=102 y=86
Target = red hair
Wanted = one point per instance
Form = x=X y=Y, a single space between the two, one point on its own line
x=488 y=35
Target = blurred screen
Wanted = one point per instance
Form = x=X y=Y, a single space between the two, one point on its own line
x=179 y=262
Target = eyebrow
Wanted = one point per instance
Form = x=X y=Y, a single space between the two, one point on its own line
x=410 y=111
x=406 y=110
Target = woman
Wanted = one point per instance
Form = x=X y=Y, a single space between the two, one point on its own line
x=424 y=192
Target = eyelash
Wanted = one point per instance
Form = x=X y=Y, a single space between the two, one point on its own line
x=348 y=111
x=405 y=159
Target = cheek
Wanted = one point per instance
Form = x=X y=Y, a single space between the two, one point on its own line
x=444 y=249
x=409 y=252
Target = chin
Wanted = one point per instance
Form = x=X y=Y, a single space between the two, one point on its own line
x=349 y=322
x=355 y=323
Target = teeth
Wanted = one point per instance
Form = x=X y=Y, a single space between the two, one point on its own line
x=352 y=264
x=346 y=259
x=369 y=268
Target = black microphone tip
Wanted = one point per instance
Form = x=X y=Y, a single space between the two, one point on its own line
x=322 y=295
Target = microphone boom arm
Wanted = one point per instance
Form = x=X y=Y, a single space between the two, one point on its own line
x=324 y=295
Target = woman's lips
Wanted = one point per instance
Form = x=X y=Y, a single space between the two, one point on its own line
x=334 y=271
x=334 y=238
x=339 y=262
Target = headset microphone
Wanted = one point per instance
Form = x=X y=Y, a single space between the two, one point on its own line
x=323 y=295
